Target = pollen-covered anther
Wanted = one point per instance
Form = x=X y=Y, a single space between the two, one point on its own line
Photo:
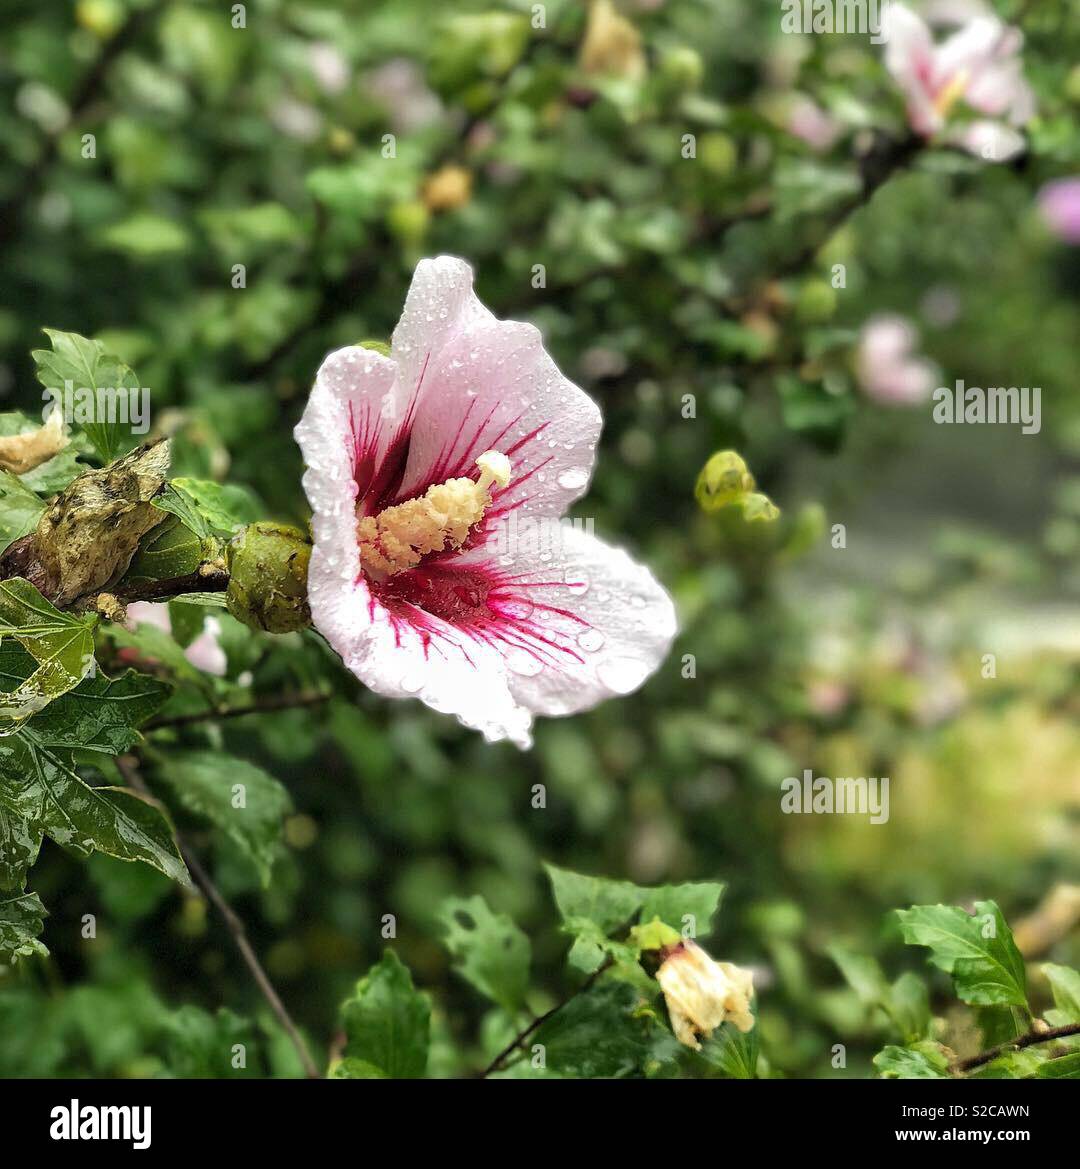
x=399 y=537
x=951 y=93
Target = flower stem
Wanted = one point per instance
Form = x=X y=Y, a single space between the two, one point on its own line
x=215 y=581
x=500 y=1060
x=260 y=706
x=128 y=769
x=1018 y=1044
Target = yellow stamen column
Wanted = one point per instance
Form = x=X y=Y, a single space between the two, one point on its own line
x=398 y=538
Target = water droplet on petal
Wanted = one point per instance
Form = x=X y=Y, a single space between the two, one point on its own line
x=622 y=674
x=520 y=661
x=575 y=582
x=573 y=479
x=591 y=640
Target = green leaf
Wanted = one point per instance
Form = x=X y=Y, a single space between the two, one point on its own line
x=100 y=714
x=39 y=783
x=20 y=509
x=88 y=367
x=814 y=410
x=978 y=951
x=733 y=1053
x=603 y=1034
x=246 y=803
x=208 y=508
x=146 y=237
x=355 y=1069
x=1065 y=1067
x=56 y=473
x=688 y=908
x=21 y=920
x=20 y=842
x=61 y=644
x=170 y=550
x=200 y=1045
x=387 y=1021
x=921 y=1061
x=904 y=1001
x=490 y=951
x=591 y=908
x=1065 y=985
x=908 y=1006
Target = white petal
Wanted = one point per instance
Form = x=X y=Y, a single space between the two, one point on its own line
x=494 y=387
x=910 y=56
x=584 y=621
x=440 y=303
x=991 y=141
x=431 y=660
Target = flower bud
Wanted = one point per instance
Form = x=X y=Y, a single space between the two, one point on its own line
x=724 y=479
x=701 y=994
x=268 y=566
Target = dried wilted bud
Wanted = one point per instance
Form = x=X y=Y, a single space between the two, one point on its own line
x=20 y=453
x=268 y=566
x=86 y=539
x=701 y=994
x=612 y=45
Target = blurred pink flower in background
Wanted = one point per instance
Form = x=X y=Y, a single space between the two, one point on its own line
x=204 y=653
x=401 y=87
x=887 y=367
x=1059 y=204
x=979 y=65
x=807 y=121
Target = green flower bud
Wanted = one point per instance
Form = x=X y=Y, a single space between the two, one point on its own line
x=654 y=935
x=718 y=153
x=268 y=567
x=816 y=302
x=683 y=66
x=724 y=479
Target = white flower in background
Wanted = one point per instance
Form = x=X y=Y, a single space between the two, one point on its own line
x=887 y=367
x=329 y=67
x=204 y=653
x=978 y=65
x=431 y=472
x=401 y=87
x=701 y=994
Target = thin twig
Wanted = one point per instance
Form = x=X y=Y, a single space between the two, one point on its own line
x=499 y=1061
x=1018 y=1044
x=233 y=924
x=213 y=581
x=272 y=702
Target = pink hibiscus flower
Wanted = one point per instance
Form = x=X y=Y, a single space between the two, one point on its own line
x=979 y=65
x=437 y=477
x=889 y=369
